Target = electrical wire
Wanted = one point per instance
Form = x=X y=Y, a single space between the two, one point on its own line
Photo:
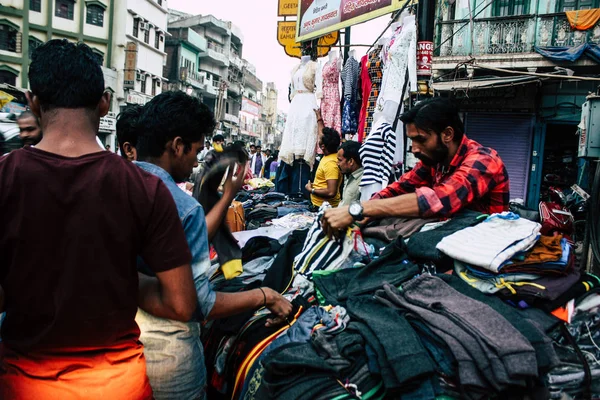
x=510 y=71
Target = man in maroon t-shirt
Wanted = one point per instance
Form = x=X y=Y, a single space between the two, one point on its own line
x=71 y=296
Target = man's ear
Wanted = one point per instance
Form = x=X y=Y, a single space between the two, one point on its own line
x=130 y=151
x=448 y=135
x=34 y=103
x=177 y=146
x=104 y=104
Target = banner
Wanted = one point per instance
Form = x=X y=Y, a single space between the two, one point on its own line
x=319 y=17
x=286 y=36
x=287 y=8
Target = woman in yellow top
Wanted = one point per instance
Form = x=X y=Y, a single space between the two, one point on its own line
x=328 y=177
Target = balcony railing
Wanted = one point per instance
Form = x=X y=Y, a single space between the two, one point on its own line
x=507 y=35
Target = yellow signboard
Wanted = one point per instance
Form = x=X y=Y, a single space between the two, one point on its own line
x=318 y=17
x=287 y=8
x=286 y=36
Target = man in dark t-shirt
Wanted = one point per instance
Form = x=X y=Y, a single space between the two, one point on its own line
x=71 y=297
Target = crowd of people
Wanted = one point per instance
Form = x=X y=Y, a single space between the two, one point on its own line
x=109 y=300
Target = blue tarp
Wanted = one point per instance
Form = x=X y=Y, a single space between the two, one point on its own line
x=571 y=54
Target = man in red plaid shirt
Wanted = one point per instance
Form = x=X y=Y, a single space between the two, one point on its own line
x=454 y=172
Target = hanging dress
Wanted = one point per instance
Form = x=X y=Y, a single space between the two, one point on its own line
x=330 y=104
x=350 y=81
x=399 y=58
x=374 y=66
x=365 y=90
x=300 y=133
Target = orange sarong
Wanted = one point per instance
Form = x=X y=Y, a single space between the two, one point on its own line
x=104 y=374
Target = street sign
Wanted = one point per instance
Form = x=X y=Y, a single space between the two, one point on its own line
x=286 y=36
x=287 y=8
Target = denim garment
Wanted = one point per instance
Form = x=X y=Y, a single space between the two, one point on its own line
x=173 y=350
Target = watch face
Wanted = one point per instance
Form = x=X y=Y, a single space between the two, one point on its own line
x=355 y=209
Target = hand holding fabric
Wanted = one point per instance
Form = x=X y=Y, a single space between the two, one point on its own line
x=336 y=220
x=233 y=184
x=278 y=305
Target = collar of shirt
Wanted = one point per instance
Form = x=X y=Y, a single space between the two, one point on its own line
x=461 y=152
x=184 y=202
x=357 y=174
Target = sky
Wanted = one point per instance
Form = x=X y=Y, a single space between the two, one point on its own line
x=258 y=21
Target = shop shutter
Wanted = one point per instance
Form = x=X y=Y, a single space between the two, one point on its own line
x=511 y=136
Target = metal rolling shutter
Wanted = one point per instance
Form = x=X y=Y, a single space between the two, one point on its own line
x=511 y=136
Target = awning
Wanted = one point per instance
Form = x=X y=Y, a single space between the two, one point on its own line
x=470 y=84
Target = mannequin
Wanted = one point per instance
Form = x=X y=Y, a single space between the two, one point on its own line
x=333 y=57
x=300 y=134
x=330 y=102
x=352 y=54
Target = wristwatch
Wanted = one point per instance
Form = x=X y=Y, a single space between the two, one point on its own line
x=312 y=191
x=356 y=211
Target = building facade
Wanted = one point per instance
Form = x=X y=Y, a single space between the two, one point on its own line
x=219 y=66
x=26 y=24
x=517 y=92
x=140 y=33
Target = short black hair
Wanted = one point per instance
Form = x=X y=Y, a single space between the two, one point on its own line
x=127 y=125
x=251 y=146
x=218 y=138
x=169 y=115
x=351 y=151
x=435 y=115
x=28 y=114
x=65 y=75
x=331 y=140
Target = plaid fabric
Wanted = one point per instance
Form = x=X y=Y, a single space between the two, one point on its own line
x=375 y=68
x=476 y=179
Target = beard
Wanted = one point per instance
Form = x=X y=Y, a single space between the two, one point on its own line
x=438 y=155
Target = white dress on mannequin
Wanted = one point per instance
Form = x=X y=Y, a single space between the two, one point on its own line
x=300 y=134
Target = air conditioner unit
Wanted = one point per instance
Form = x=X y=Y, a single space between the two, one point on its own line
x=144 y=26
x=138 y=76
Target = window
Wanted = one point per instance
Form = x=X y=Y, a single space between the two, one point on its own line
x=98 y=56
x=147 y=35
x=64 y=9
x=8 y=77
x=159 y=2
x=503 y=8
x=157 y=40
x=572 y=5
x=8 y=37
x=227 y=108
x=136 y=26
x=33 y=44
x=153 y=87
x=143 y=86
x=35 y=5
x=94 y=15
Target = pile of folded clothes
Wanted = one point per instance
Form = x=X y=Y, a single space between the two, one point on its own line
x=387 y=324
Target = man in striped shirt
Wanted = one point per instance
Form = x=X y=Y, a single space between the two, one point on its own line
x=454 y=173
